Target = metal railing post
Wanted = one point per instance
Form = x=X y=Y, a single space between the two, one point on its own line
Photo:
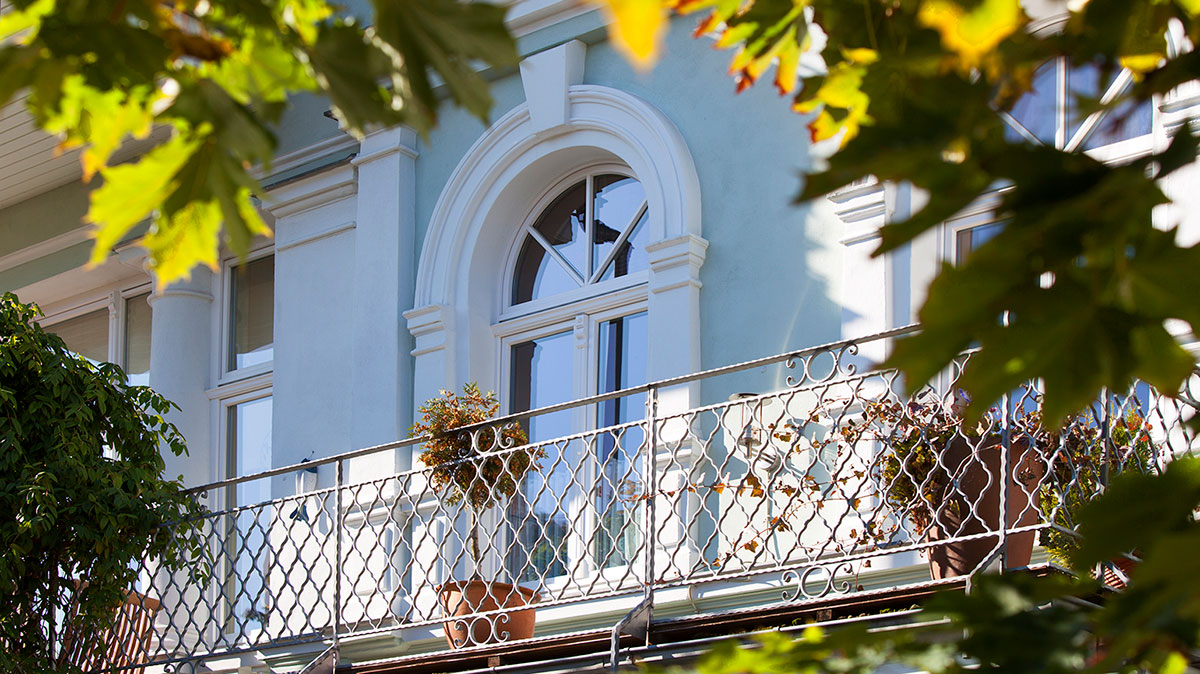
x=337 y=566
x=652 y=490
x=1005 y=474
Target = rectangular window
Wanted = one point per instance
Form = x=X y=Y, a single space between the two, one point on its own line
x=137 y=339
x=247 y=544
x=539 y=511
x=621 y=364
x=251 y=313
x=578 y=513
x=86 y=335
x=968 y=240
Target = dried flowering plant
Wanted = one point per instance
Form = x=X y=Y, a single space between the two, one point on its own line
x=1083 y=463
x=478 y=465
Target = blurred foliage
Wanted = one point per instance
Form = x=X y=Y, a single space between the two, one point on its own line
x=201 y=82
x=83 y=500
x=1018 y=623
x=1077 y=288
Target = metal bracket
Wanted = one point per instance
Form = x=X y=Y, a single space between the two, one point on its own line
x=636 y=624
x=325 y=663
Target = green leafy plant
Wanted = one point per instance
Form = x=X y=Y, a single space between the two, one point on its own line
x=82 y=495
x=214 y=78
x=1083 y=465
x=469 y=463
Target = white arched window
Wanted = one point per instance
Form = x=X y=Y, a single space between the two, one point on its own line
x=562 y=260
x=590 y=232
x=577 y=299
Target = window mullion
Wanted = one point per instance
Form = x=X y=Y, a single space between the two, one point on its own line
x=625 y=234
x=588 y=220
x=116 y=316
x=1062 y=91
x=562 y=261
x=1118 y=86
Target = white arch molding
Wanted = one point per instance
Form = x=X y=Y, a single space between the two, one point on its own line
x=460 y=274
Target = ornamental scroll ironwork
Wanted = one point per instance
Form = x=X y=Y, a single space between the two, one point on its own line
x=818 y=581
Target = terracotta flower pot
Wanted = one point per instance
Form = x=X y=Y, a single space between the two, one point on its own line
x=462 y=600
x=974 y=506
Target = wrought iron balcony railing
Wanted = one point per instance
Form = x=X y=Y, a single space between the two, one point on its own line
x=826 y=479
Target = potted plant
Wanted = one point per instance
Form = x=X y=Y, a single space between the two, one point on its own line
x=479 y=468
x=942 y=476
x=1081 y=465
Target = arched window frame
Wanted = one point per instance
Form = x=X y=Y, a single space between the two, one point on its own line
x=508 y=309
x=459 y=322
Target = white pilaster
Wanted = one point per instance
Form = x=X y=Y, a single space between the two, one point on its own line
x=384 y=258
x=180 y=362
x=432 y=329
x=674 y=316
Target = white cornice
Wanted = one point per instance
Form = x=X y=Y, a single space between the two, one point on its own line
x=527 y=16
x=311 y=192
x=294 y=160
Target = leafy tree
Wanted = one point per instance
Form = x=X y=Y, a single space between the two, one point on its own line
x=82 y=496
x=213 y=76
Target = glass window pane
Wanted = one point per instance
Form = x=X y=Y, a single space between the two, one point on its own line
x=250 y=447
x=1128 y=120
x=541 y=376
x=631 y=256
x=247 y=547
x=622 y=364
x=1036 y=109
x=137 y=339
x=252 y=309
x=86 y=335
x=562 y=226
x=968 y=240
x=617 y=202
x=538 y=275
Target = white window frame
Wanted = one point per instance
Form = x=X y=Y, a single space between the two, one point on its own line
x=223 y=374
x=226 y=398
x=112 y=299
x=580 y=312
x=507 y=310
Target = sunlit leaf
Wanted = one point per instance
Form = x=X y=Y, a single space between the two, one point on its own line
x=973 y=30
x=176 y=243
x=131 y=192
x=637 y=28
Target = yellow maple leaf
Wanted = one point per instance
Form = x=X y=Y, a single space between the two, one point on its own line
x=972 y=34
x=636 y=28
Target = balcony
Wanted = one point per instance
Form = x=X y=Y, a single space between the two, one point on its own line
x=800 y=480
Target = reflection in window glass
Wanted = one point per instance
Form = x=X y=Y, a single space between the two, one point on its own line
x=1057 y=120
x=252 y=319
x=968 y=240
x=622 y=364
x=541 y=376
x=619 y=200
x=1128 y=120
x=538 y=274
x=616 y=246
x=137 y=340
x=1037 y=110
x=86 y=335
x=561 y=224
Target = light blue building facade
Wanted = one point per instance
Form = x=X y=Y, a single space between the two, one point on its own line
x=607 y=229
